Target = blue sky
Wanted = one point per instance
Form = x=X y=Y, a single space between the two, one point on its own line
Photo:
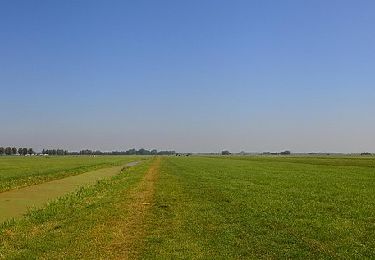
x=188 y=75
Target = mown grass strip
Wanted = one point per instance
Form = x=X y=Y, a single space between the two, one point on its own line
x=129 y=232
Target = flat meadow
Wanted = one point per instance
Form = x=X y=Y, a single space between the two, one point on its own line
x=265 y=207
x=209 y=208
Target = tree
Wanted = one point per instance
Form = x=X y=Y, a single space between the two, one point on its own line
x=2 y=150
x=285 y=153
x=131 y=152
x=154 y=152
x=14 y=150
x=20 y=151
x=24 y=151
x=143 y=152
x=8 y=150
x=30 y=151
x=85 y=152
x=225 y=153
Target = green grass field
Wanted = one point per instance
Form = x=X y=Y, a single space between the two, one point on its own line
x=209 y=208
x=264 y=208
x=22 y=171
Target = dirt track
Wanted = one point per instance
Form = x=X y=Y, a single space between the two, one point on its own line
x=129 y=232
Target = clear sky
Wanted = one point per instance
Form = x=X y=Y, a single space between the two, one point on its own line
x=193 y=75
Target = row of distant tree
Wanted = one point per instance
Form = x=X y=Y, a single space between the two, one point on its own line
x=128 y=152
x=55 y=152
x=30 y=151
x=15 y=151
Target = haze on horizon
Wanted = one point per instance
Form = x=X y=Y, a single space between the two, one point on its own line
x=193 y=76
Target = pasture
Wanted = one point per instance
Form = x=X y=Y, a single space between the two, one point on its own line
x=266 y=207
x=209 y=208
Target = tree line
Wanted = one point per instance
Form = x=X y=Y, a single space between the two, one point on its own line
x=15 y=151
x=55 y=152
x=133 y=151
x=30 y=151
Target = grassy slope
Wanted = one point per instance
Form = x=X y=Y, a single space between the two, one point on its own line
x=87 y=224
x=262 y=208
x=22 y=171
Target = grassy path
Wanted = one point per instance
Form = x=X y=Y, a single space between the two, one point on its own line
x=15 y=203
x=129 y=232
